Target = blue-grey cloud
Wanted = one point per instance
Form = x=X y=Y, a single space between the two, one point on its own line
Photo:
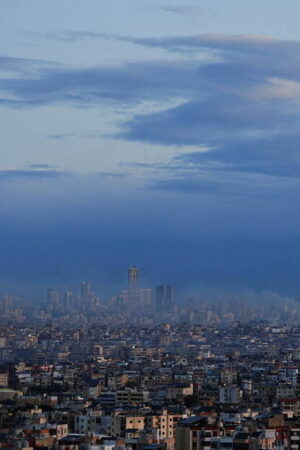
x=215 y=120
x=65 y=136
x=43 y=166
x=183 y=9
x=226 y=185
x=241 y=99
x=200 y=173
x=250 y=43
x=60 y=136
x=113 y=175
x=279 y=156
x=32 y=172
x=69 y=36
x=24 y=65
x=129 y=84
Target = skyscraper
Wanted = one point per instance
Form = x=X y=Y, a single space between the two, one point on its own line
x=165 y=298
x=133 y=286
x=145 y=297
x=133 y=279
x=160 y=294
x=68 y=299
x=85 y=289
x=52 y=297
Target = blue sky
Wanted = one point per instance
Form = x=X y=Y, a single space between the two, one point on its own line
x=165 y=135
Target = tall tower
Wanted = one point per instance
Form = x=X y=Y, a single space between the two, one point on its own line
x=133 y=279
x=133 y=286
x=85 y=289
x=160 y=295
x=52 y=297
x=165 y=298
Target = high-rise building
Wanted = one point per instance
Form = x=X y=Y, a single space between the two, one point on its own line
x=145 y=297
x=8 y=304
x=68 y=299
x=133 y=286
x=122 y=299
x=165 y=298
x=160 y=294
x=85 y=289
x=53 y=297
x=133 y=279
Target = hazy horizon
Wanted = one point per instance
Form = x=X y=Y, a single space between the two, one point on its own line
x=165 y=136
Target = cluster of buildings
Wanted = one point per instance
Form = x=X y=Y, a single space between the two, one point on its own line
x=140 y=372
x=133 y=304
x=168 y=386
x=141 y=306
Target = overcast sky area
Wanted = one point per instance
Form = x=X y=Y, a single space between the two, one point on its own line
x=163 y=134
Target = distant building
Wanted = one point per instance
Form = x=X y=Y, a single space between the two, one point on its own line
x=53 y=299
x=165 y=298
x=85 y=289
x=68 y=299
x=145 y=297
x=133 y=279
x=133 y=285
x=8 y=304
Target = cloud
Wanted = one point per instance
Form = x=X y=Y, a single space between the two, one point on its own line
x=43 y=166
x=252 y=43
x=40 y=172
x=69 y=35
x=239 y=97
x=278 y=156
x=61 y=136
x=183 y=10
x=32 y=172
x=190 y=174
x=224 y=184
x=218 y=119
x=113 y=175
x=24 y=65
x=277 y=88
x=65 y=136
x=128 y=84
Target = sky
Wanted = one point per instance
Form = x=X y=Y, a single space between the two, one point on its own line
x=162 y=134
